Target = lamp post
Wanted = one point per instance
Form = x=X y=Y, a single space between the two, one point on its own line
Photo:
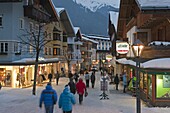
x=103 y=61
x=137 y=49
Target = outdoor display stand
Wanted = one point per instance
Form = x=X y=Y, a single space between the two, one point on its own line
x=104 y=88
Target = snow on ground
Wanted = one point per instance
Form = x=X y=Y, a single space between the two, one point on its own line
x=22 y=101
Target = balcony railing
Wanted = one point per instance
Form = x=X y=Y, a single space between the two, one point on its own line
x=36 y=14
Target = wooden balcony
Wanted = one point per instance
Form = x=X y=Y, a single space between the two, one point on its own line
x=156 y=52
x=146 y=21
x=36 y=14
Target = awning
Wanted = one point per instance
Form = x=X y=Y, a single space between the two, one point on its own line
x=125 y=61
x=162 y=63
x=31 y=61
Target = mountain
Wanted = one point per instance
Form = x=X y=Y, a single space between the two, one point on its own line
x=91 y=20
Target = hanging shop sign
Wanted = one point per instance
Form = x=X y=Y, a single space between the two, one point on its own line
x=108 y=57
x=122 y=47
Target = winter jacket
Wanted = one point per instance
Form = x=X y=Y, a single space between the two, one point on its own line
x=81 y=87
x=72 y=87
x=66 y=100
x=93 y=78
x=48 y=96
x=87 y=76
x=124 y=79
x=116 y=80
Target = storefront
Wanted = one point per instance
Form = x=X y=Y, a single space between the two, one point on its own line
x=154 y=79
x=20 y=74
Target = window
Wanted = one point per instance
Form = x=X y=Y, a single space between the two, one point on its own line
x=21 y=23
x=16 y=47
x=49 y=51
x=56 y=36
x=0 y=20
x=45 y=51
x=36 y=28
x=56 y=51
x=31 y=27
x=4 y=47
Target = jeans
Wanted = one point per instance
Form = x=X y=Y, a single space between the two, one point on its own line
x=49 y=109
x=80 y=98
x=124 y=89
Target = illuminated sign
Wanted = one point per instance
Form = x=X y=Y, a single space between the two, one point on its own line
x=122 y=47
x=108 y=57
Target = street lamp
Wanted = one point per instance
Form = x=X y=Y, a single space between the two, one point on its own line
x=137 y=49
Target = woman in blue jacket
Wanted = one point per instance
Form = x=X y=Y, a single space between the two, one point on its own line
x=66 y=100
x=49 y=97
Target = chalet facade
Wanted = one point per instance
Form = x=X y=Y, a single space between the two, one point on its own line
x=149 y=22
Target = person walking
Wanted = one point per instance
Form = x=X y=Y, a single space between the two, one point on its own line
x=66 y=100
x=72 y=86
x=49 y=98
x=124 y=82
x=93 y=78
x=70 y=75
x=81 y=89
x=76 y=76
x=57 y=76
x=50 y=76
x=116 y=81
x=87 y=78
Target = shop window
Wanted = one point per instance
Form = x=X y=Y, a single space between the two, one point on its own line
x=150 y=85
x=163 y=86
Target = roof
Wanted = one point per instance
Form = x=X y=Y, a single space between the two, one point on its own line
x=97 y=37
x=160 y=63
x=65 y=19
x=157 y=63
x=153 y=4
x=76 y=29
x=50 y=7
x=85 y=38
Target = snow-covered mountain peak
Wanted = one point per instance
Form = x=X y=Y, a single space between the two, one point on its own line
x=93 y=5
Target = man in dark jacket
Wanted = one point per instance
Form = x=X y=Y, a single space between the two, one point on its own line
x=72 y=86
x=49 y=98
x=66 y=100
x=50 y=76
x=93 y=78
x=116 y=81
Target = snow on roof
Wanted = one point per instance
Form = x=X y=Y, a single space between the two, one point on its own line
x=76 y=29
x=97 y=37
x=85 y=38
x=154 y=3
x=162 y=63
x=114 y=18
x=157 y=63
x=59 y=10
x=125 y=61
x=159 y=43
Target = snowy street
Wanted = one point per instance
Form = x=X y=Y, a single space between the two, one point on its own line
x=22 y=100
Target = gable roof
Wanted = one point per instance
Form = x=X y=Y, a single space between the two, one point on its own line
x=65 y=19
x=50 y=8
